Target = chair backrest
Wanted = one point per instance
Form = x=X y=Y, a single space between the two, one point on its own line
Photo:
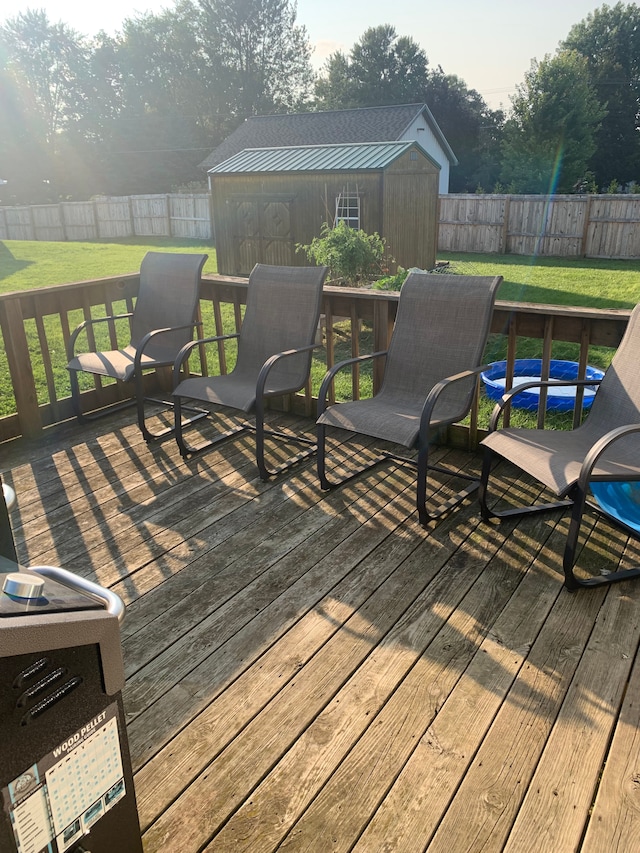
x=282 y=313
x=168 y=296
x=617 y=401
x=441 y=329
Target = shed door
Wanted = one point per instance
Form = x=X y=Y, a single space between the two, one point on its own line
x=262 y=232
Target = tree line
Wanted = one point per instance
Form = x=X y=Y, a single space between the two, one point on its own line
x=138 y=111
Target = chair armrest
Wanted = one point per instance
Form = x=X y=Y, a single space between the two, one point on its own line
x=547 y=383
x=438 y=388
x=186 y=351
x=154 y=334
x=269 y=363
x=329 y=376
x=91 y=322
x=596 y=451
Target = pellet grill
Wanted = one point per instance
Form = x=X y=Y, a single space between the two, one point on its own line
x=65 y=772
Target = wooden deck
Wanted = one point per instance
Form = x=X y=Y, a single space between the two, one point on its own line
x=310 y=671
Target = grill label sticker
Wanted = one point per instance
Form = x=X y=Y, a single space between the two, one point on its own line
x=55 y=802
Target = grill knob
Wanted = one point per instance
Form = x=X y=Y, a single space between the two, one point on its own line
x=22 y=585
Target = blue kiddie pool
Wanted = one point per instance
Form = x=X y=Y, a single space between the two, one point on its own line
x=560 y=399
x=621 y=500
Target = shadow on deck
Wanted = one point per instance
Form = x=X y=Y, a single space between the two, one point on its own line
x=315 y=671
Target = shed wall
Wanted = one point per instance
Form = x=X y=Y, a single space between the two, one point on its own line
x=410 y=217
x=260 y=218
x=424 y=135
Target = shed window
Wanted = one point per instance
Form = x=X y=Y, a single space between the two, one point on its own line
x=348 y=208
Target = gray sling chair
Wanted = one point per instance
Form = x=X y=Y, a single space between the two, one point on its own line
x=604 y=448
x=162 y=321
x=275 y=345
x=430 y=376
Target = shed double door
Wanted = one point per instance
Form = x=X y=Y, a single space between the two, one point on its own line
x=262 y=232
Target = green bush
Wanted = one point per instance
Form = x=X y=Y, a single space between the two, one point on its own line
x=391 y=282
x=352 y=256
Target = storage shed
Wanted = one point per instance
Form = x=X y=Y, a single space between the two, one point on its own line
x=265 y=201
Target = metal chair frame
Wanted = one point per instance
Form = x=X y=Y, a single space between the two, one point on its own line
x=258 y=427
x=420 y=464
x=577 y=497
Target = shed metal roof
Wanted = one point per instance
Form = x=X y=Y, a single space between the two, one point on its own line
x=314 y=158
x=330 y=127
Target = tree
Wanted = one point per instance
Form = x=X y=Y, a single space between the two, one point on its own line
x=157 y=126
x=550 y=135
x=334 y=89
x=259 y=57
x=43 y=68
x=471 y=128
x=380 y=69
x=609 y=38
x=138 y=111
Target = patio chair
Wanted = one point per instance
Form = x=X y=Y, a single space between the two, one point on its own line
x=605 y=448
x=161 y=323
x=430 y=377
x=275 y=345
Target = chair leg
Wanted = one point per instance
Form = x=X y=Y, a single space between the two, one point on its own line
x=75 y=396
x=187 y=449
x=426 y=515
x=258 y=428
x=422 y=468
x=483 y=490
x=571 y=582
x=261 y=431
x=325 y=482
x=578 y=502
x=86 y=417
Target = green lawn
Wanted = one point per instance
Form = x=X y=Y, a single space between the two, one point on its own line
x=556 y=281
x=25 y=264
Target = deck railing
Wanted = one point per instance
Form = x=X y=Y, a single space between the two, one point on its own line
x=36 y=326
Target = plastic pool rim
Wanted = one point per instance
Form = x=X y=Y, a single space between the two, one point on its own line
x=531 y=367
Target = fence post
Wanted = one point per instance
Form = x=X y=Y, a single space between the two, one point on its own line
x=505 y=225
x=132 y=222
x=62 y=221
x=96 y=222
x=168 y=205
x=585 y=227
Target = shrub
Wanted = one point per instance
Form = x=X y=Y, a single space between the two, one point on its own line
x=391 y=282
x=351 y=255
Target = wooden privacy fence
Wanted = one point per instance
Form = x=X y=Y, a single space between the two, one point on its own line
x=174 y=215
x=594 y=226
x=36 y=325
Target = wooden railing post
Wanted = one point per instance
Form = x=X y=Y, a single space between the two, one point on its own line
x=19 y=359
x=381 y=335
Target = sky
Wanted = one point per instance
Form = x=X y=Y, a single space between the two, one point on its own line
x=489 y=45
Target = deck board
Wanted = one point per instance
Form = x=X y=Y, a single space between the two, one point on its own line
x=312 y=671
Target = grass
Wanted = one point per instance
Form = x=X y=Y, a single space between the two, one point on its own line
x=589 y=283
x=25 y=264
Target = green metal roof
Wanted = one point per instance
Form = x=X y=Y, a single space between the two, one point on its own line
x=314 y=158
